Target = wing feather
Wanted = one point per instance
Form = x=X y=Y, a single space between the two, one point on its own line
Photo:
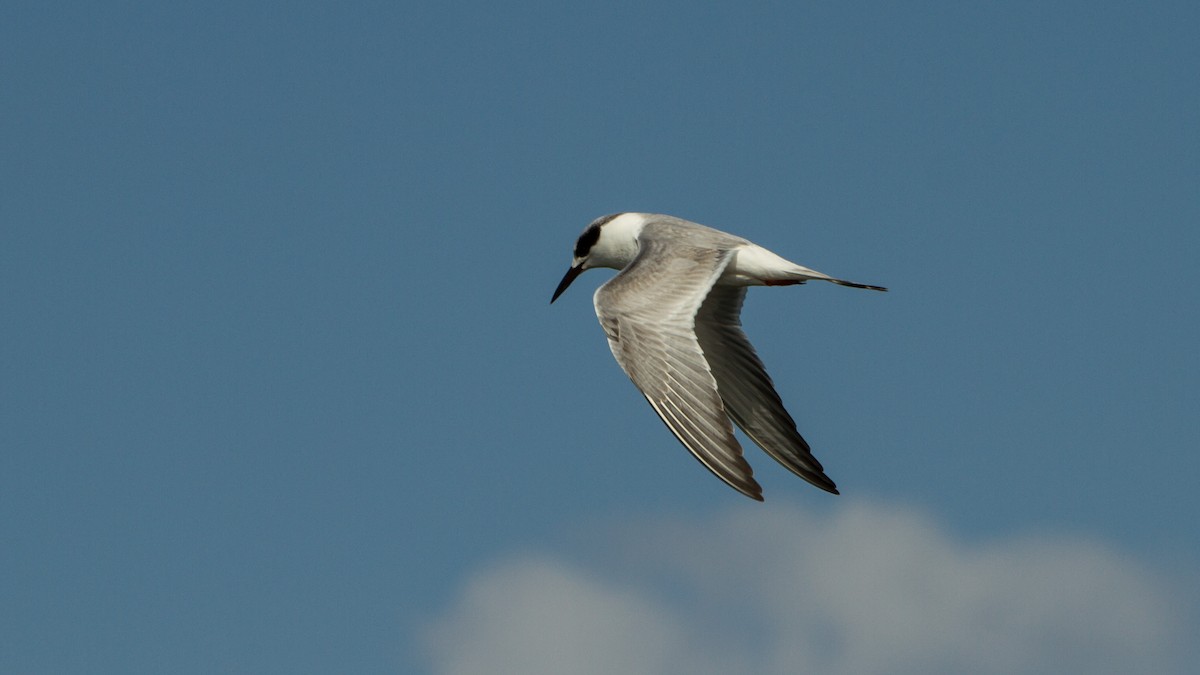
x=746 y=389
x=648 y=311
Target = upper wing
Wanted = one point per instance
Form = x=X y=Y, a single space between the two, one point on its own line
x=747 y=390
x=648 y=313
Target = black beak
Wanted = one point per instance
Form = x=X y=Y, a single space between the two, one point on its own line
x=566 y=281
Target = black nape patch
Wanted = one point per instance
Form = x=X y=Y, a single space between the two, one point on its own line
x=591 y=235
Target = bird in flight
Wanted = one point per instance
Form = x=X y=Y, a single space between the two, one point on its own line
x=673 y=320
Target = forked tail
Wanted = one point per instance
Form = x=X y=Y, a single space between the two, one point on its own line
x=851 y=284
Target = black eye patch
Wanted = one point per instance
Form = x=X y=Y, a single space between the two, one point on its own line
x=587 y=240
x=591 y=235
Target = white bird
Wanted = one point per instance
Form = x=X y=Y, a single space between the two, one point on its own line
x=672 y=317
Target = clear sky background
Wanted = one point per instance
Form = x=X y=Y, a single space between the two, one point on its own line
x=280 y=389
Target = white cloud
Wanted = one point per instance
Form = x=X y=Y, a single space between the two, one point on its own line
x=867 y=589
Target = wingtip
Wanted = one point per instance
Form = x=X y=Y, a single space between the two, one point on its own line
x=826 y=484
x=748 y=486
x=751 y=488
x=753 y=491
x=817 y=479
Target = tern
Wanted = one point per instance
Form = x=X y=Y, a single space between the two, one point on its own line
x=673 y=321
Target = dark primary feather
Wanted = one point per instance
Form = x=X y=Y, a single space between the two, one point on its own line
x=746 y=388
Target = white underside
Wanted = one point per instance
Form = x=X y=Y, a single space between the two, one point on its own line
x=754 y=265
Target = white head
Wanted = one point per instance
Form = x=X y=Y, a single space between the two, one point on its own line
x=611 y=241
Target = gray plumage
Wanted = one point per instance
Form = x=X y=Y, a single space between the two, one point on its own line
x=672 y=318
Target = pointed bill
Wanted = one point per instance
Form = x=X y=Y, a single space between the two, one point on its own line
x=566 y=281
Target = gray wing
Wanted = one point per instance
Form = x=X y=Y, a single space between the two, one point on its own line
x=746 y=389
x=648 y=313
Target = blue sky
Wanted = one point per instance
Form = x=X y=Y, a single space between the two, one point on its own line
x=282 y=392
